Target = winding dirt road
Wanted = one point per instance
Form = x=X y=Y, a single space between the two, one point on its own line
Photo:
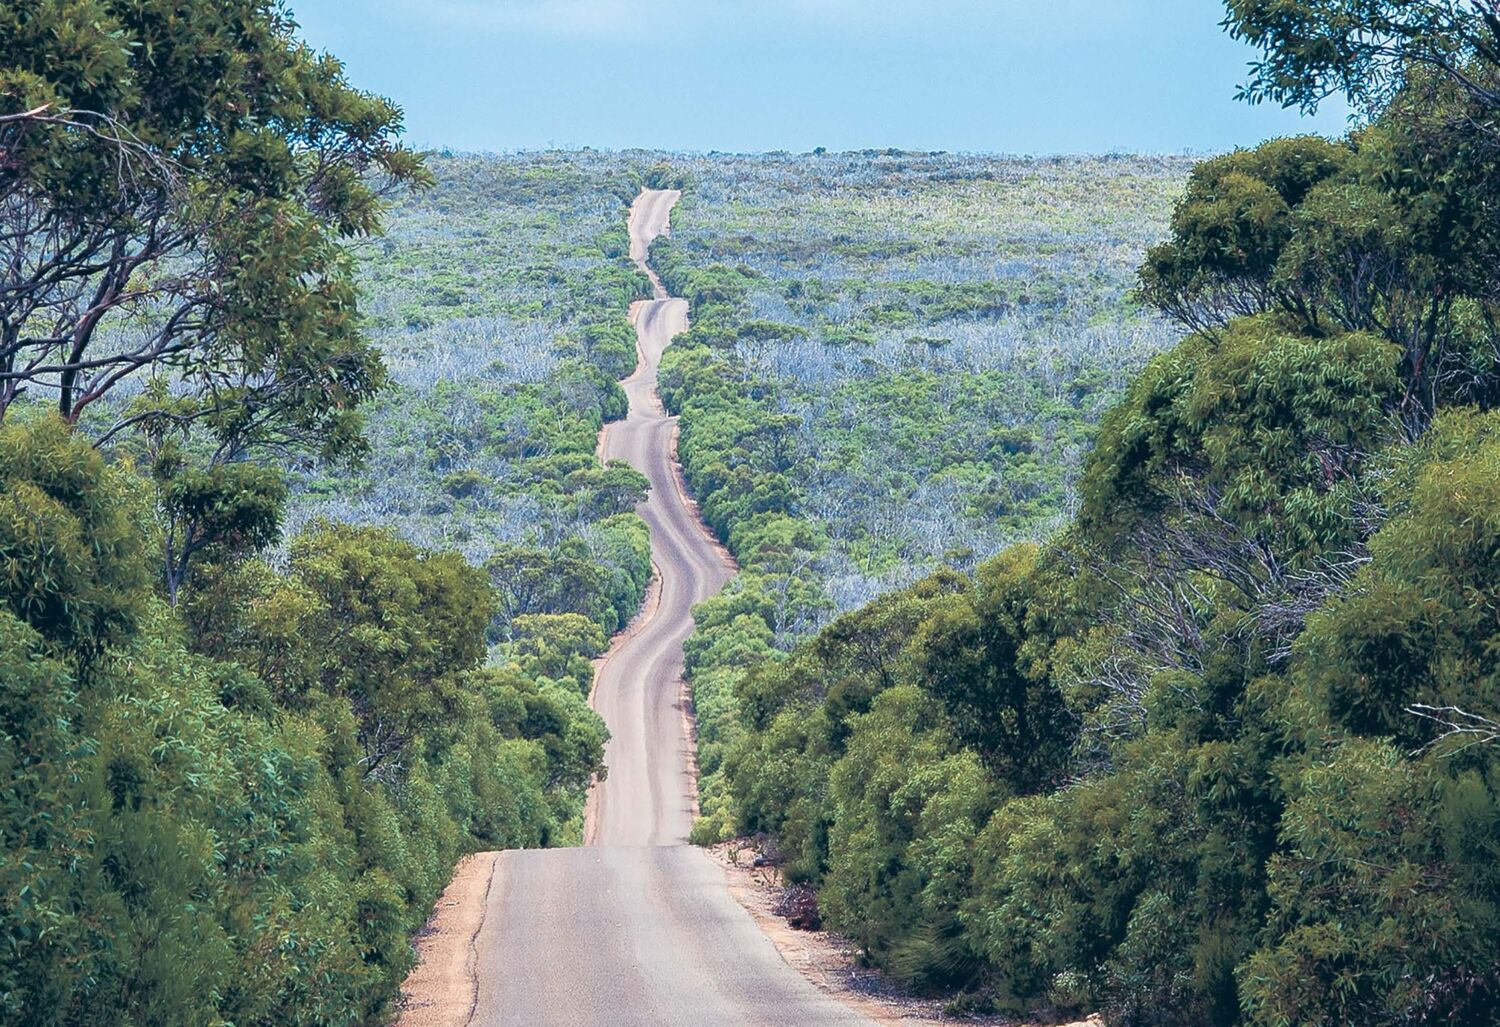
x=639 y=928
x=650 y=795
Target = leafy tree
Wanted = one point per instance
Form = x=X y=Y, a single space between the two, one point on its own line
x=559 y=646
x=1264 y=429
x=909 y=804
x=191 y=839
x=1230 y=229
x=800 y=716
x=531 y=581
x=617 y=488
x=1388 y=233
x=34 y=741
x=1384 y=896
x=178 y=187
x=233 y=509
x=409 y=624
x=977 y=655
x=573 y=740
x=609 y=346
x=72 y=558
x=1413 y=629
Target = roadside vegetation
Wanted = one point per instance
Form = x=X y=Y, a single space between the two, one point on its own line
x=497 y=300
x=1220 y=747
x=1117 y=624
x=291 y=617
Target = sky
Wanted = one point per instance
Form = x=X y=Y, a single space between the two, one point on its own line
x=995 y=76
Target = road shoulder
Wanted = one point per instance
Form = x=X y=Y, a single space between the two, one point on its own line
x=443 y=988
x=829 y=961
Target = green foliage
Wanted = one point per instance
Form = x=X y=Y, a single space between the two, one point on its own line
x=241 y=815
x=1391 y=833
x=662 y=175
x=602 y=579
x=226 y=510
x=1416 y=625
x=1272 y=425
x=609 y=346
x=798 y=714
x=1231 y=228
x=187 y=179
x=1384 y=233
x=410 y=625
x=1384 y=896
x=559 y=647
x=907 y=806
x=976 y=653
x=1367 y=49
x=1223 y=751
x=880 y=456
x=71 y=547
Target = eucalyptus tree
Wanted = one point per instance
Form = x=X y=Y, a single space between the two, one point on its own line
x=177 y=185
x=1369 y=50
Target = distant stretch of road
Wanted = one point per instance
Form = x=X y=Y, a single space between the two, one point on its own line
x=649 y=795
x=639 y=928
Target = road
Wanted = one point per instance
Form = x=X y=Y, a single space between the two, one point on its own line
x=649 y=795
x=639 y=928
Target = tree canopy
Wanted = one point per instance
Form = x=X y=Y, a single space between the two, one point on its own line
x=1369 y=50
x=239 y=813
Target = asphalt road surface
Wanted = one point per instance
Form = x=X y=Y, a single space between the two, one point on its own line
x=638 y=927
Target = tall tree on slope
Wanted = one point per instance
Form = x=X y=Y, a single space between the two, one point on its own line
x=179 y=184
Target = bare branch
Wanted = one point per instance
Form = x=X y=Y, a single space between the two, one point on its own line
x=1457 y=724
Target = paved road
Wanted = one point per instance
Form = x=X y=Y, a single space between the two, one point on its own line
x=639 y=928
x=649 y=795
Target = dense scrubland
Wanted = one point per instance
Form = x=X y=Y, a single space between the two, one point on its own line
x=868 y=394
x=496 y=298
x=896 y=363
x=936 y=333
x=239 y=810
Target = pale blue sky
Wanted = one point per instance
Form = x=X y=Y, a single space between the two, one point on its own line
x=1012 y=76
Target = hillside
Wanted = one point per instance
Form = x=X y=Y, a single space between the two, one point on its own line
x=1075 y=581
